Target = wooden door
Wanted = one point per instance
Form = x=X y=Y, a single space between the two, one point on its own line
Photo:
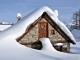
x=43 y=29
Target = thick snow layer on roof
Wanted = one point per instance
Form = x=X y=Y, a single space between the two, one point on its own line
x=3 y=27
x=19 y=28
x=56 y=12
x=58 y=44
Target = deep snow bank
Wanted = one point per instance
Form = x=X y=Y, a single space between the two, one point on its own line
x=47 y=46
x=48 y=49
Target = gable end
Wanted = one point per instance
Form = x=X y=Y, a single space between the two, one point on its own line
x=57 y=28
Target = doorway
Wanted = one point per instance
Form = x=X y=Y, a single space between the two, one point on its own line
x=43 y=29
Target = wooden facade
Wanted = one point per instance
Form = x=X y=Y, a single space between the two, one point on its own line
x=45 y=27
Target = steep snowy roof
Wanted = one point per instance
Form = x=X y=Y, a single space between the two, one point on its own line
x=19 y=28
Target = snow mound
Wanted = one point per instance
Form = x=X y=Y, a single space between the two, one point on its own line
x=48 y=49
x=47 y=46
x=56 y=12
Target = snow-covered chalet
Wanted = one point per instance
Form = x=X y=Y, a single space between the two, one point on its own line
x=44 y=23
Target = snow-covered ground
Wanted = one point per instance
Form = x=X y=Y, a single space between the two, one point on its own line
x=3 y=27
x=12 y=50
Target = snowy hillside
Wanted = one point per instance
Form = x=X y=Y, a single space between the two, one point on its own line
x=12 y=50
x=5 y=23
x=3 y=27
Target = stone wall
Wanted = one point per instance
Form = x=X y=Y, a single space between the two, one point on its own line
x=56 y=36
x=32 y=37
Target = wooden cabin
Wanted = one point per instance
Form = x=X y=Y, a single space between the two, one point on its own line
x=45 y=27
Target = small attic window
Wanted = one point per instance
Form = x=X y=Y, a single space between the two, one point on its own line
x=52 y=31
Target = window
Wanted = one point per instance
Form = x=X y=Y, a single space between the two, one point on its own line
x=52 y=31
